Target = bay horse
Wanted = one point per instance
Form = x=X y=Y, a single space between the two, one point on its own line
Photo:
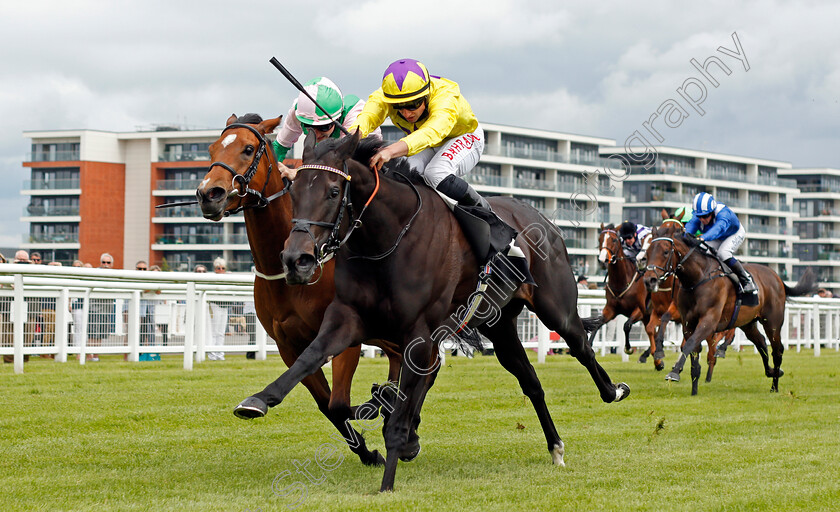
x=663 y=308
x=405 y=271
x=625 y=293
x=707 y=302
x=244 y=176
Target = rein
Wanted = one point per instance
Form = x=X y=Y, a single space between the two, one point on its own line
x=676 y=268
x=335 y=241
x=245 y=179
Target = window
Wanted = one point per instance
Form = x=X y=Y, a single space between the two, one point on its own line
x=583 y=153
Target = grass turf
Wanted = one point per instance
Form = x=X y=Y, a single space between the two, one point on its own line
x=151 y=436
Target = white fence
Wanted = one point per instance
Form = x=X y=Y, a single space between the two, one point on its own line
x=66 y=312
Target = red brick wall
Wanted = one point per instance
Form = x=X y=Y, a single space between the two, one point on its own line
x=102 y=209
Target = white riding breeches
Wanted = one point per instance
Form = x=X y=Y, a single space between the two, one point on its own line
x=456 y=156
x=726 y=247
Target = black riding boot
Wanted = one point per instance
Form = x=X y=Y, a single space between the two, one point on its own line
x=747 y=284
x=456 y=188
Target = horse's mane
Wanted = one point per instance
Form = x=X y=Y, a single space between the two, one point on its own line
x=609 y=226
x=364 y=152
x=250 y=118
x=689 y=240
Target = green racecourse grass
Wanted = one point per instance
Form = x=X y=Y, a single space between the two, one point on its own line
x=151 y=436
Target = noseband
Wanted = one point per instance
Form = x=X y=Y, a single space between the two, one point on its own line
x=620 y=253
x=240 y=182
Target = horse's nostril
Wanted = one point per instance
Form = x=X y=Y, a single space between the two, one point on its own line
x=305 y=261
x=216 y=194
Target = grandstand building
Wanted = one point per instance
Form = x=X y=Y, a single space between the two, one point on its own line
x=818 y=223
x=667 y=178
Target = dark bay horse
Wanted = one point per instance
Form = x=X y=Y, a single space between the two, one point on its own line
x=404 y=272
x=244 y=176
x=663 y=308
x=625 y=293
x=707 y=301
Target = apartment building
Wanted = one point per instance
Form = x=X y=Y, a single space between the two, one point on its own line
x=668 y=177
x=818 y=224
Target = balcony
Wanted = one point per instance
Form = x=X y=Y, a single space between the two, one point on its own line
x=484 y=179
x=70 y=184
x=52 y=238
x=212 y=239
x=548 y=156
x=533 y=184
x=179 y=212
x=50 y=211
x=184 y=156
x=178 y=184
x=776 y=182
x=54 y=156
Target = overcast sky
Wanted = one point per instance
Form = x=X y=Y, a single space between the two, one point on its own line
x=592 y=68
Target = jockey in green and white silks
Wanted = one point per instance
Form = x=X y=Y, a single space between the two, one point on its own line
x=720 y=228
x=304 y=116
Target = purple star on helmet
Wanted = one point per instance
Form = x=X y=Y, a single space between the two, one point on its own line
x=401 y=68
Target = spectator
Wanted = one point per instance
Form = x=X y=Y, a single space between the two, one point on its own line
x=78 y=263
x=87 y=265
x=102 y=315
x=825 y=294
x=582 y=283
x=155 y=268
x=200 y=269
x=35 y=258
x=22 y=257
x=217 y=321
x=54 y=264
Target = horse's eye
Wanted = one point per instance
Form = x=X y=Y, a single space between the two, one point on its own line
x=249 y=150
x=334 y=191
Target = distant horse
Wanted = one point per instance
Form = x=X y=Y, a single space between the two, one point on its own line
x=663 y=308
x=404 y=268
x=625 y=293
x=707 y=301
x=244 y=176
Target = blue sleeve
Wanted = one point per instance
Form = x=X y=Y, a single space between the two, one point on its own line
x=720 y=228
x=692 y=226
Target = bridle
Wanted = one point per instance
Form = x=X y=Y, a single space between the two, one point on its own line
x=335 y=241
x=613 y=258
x=240 y=182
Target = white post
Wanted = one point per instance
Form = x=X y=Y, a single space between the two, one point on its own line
x=201 y=326
x=83 y=339
x=17 y=320
x=134 y=326
x=62 y=314
x=817 y=334
x=261 y=341
x=189 y=327
x=543 y=339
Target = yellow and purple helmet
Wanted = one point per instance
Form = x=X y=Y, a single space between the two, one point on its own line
x=405 y=80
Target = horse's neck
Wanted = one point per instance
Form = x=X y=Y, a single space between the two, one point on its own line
x=621 y=272
x=695 y=268
x=268 y=228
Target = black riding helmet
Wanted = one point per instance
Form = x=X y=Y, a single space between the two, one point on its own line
x=627 y=230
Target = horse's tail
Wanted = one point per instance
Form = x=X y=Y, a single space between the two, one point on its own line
x=807 y=285
x=592 y=323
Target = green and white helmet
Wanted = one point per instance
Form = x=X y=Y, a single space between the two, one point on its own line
x=328 y=96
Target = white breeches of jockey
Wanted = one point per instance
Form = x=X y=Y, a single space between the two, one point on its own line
x=726 y=247
x=455 y=156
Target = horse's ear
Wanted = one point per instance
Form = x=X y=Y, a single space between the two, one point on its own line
x=232 y=119
x=664 y=214
x=309 y=146
x=348 y=146
x=269 y=125
x=602 y=226
x=653 y=231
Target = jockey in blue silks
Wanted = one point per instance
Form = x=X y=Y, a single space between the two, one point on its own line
x=720 y=228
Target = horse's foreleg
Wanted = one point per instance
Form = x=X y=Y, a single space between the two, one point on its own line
x=695 y=372
x=711 y=356
x=650 y=329
x=659 y=352
x=634 y=317
x=693 y=338
x=413 y=383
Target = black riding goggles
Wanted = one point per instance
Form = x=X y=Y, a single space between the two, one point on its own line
x=316 y=127
x=410 y=105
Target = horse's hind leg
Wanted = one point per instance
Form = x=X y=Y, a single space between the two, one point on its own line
x=564 y=320
x=637 y=315
x=752 y=333
x=775 y=336
x=513 y=358
x=650 y=329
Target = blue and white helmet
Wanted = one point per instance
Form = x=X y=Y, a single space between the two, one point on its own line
x=703 y=204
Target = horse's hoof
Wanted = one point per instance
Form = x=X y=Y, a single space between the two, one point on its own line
x=557 y=454
x=375 y=459
x=643 y=359
x=779 y=372
x=659 y=354
x=622 y=390
x=673 y=376
x=659 y=365
x=412 y=447
x=720 y=353
x=630 y=351
x=411 y=455
x=250 y=408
